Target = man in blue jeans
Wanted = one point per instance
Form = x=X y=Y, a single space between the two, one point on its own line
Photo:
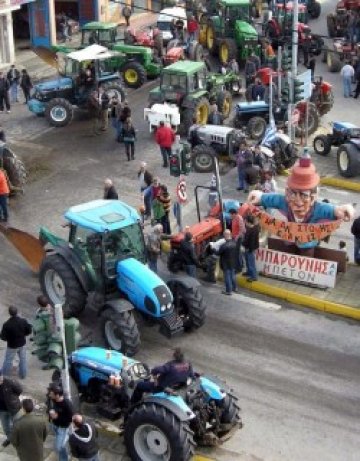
x=228 y=262
x=60 y=415
x=251 y=244
x=14 y=332
x=10 y=405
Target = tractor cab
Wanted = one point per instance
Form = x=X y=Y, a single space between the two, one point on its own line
x=232 y=12
x=104 y=232
x=101 y=33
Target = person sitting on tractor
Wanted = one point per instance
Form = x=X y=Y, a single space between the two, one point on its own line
x=250 y=71
x=258 y=91
x=171 y=374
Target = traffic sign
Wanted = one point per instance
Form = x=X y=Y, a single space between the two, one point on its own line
x=305 y=77
x=181 y=191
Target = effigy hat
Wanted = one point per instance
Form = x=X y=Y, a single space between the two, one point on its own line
x=303 y=175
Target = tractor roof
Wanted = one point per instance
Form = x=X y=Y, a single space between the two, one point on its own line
x=102 y=215
x=97 y=25
x=184 y=67
x=235 y=2
x=93 y=52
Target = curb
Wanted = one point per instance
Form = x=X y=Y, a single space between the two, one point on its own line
x=340 y=183
x=299 y=299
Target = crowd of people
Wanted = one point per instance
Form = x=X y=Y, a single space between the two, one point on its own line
x=10 y=82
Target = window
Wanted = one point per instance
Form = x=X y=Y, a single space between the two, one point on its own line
x=173 y=82
x=123 y=243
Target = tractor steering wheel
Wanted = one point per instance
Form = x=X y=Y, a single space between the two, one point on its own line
x=141 y=371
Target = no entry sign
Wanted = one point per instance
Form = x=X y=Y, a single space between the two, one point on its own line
x=181 y=191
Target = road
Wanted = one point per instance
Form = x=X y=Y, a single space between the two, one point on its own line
x=296 y=372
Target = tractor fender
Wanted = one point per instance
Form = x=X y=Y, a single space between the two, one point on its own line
x=189 y=283
x=70 y=257
x=192 y=100
x=118 y=305
x=175 y=404
x=354 y=142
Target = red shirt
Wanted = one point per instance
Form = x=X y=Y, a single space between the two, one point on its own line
x=192 y=26
x=165 y=136
x=4 y=188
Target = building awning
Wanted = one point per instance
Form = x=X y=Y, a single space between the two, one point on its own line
x=6 y=6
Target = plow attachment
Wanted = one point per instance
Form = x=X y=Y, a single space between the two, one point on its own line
x=30 y=247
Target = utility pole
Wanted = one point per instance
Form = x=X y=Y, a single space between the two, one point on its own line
x=294 y=55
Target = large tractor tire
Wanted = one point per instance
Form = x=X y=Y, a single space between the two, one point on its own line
x=60 y=284
x=331 y=25
x=256 y=128
x=231 y=411
x=313 y=119
x=14 y=168
x=120 y=330
x=211 y=43
x=190 y=303
x=227 y=50
x=59 y=112
x=153 y=432
x=203 y=30
x=333 y=61
x=200 y=112
x=203 y=159
x=224 y=103
x=115 y=89
x=348 y=160
x=134 y=74
x=322 y=144
x=315 y=10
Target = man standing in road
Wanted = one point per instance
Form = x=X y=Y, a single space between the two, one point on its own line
x=109 y=190
x=10 y=405
x=165 y=138
x=14 y=332
x=355 y=230
x=29 y=434
x=188 y=255
x=347 y=74
x=251 y=244
x=126 y=12
x=228 y=262
x=83 y=440
x=238 y=232
x=13 y=76
x=4 y=93
x=60 y=415
x=4 y=193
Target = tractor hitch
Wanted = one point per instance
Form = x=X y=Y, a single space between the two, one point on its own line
x=171 y=325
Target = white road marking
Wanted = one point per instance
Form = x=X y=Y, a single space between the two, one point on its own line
x=246 y=299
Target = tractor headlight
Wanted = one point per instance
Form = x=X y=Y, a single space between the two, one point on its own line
x=163 y=308
x=169 y=306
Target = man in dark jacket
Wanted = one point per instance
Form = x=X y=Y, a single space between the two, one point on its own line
x=4 y=93
x=250 y=71
x=175 y=372
x=60 y=414
x=10 y=405
x=258 y=91
x=29 y=434
x=228 y=262
x=83 y=440
x=355 y=230
x=188 y=255
x=109 y=190
x=251 y=244
x=13 y=76
x=14 y=332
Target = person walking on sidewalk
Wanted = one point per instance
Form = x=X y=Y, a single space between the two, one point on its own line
x=251 y=244
x=165 y=138
x=29 y=434
x=4 y=194
x=4 y=93
x=129 y=137
x=25 y=84
x=13 y=77
x=14 y=332
x=10 y=405
x=347 y=74
x=355 y=230
x=83 y=439
x=228 y=262
x=60 y=415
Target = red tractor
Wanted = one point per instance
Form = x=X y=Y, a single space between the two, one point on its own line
x=337 y=23
x=149 y=37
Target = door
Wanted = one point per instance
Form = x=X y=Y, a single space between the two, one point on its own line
x=88 y=11
x=39 y=21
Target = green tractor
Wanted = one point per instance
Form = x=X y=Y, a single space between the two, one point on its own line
x=136 y=63
x=189 y=86
x=227 y=32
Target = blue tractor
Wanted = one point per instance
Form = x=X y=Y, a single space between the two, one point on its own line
x=102 y=266
x=163 y=426
x=56 y=99
x=346 y=137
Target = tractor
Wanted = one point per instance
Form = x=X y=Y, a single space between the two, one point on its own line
x=189 y=86
x=102 y=266
x=177 y=50
x=56 y=98
x=346 y=137
x=228 y=33
x=343 y=51
x=14 y=169
x=337 y=23
x=164 y=425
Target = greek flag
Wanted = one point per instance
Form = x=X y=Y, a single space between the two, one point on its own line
x=270 y=134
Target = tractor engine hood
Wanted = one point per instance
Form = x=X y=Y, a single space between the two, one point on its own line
x=144 y=289
x=60 y=83
x=246 y=30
